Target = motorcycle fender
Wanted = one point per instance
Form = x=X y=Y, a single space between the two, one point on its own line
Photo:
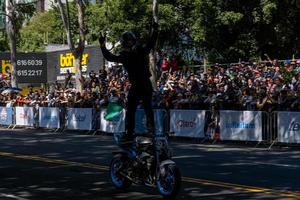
x=167 y=162
x=119 y=152
x=125 y=153
x=162 y=165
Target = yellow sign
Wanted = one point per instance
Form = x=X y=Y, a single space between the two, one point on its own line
x=6 y=67
x=67 y=62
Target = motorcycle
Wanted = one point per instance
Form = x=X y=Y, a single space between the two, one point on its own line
x=146 y=162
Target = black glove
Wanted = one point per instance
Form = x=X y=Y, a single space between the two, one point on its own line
x=102 y=39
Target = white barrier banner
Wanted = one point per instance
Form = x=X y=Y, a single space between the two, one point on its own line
x=241 y=125
x=141 y=121
x=288 y=127
x=79 y=119
x=24 y=116
x=187 y=123
x=6 y=115
x=49 y=117
x=117 y=125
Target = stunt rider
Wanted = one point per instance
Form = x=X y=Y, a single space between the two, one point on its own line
x=135 y=60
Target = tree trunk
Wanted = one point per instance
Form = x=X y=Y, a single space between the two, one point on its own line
x=11 y=32
x=76 y=51
x=152 y=63
x=152 y=57
x=81 y=45
x=78 y=74
x=155 y=11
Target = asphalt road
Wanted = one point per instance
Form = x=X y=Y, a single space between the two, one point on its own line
x=37 y=164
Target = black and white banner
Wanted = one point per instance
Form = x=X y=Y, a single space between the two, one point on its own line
x=241 y=125
x=79 y=118
x=49 y=117
x=187 y=123
x=288 y=127
x=24 y=116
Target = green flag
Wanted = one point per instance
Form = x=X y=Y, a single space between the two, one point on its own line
x=113 y=111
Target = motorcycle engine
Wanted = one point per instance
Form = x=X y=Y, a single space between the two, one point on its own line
x=145 y=158
x=143 y=164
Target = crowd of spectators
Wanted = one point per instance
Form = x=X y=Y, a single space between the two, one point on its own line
x=267 y=86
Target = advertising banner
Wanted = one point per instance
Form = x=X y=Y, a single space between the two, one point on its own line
x=187 y=123
x=117 y=125
x=288 y=124
x=141 y=120
x=24 y=116
x=6 y=116
x=241 y=125
x=64 y=61
x=49 y=117
x=31 y=67
x=67 y=63
x=79 y=118
x=5 y=64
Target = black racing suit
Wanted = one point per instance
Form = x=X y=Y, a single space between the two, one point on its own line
x=136 y=63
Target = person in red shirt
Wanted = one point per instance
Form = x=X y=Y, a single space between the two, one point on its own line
x=165 y=66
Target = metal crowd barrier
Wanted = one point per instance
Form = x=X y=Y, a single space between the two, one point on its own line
x=212 y=129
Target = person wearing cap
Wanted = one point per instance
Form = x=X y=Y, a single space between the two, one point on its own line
x=135 y=60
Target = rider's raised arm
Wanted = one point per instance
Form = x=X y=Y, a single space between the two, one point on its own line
x=152 y=41
x=109 y=56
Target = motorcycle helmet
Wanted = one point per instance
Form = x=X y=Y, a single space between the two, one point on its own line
x=128 y=39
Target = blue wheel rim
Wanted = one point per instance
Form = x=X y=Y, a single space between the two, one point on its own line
x=166 y=184
x=113 y=173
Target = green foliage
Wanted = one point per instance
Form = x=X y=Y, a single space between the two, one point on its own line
x=115 y=17
x=225 y=31
x=31 y=42
x=246 y=29
x=95 y=22
x=43 y=28
x=229 y=18
x=3 y=42
x=23 y=13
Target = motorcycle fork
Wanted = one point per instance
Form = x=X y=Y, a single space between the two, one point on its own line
x=157 y=164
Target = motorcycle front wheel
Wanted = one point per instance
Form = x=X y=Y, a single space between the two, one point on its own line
x=117 y=165
x=169 y=181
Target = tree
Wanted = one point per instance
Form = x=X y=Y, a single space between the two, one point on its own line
x=225 y=31
x=152 y=57
x=77 y=50
x=43 y=28
x=3 y=42
x=11 y=32
x=16 y=13
x=229 y=30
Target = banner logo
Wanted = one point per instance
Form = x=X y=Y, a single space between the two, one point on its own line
x=186 y=123
x=3 y=116
x=294 y=126
x=24 y=115
x=50 y=118
x=79 y=117
x=6 y=67
x=67 y=62
x=241 y=125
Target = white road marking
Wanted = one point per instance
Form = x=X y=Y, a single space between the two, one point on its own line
x=12 y=196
